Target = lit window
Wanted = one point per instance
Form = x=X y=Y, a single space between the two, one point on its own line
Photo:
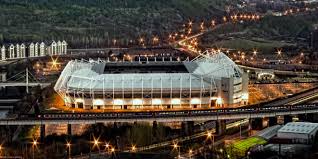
x=175 y=101
x=195 y=101
x=118 y=102
x=245 y=96
x=67 y=99
x=137 y=102
x=219 y=101
x=79 y=100
x=98 y=102
x=156 y=102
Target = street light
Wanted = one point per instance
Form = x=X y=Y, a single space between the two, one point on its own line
x=133 y=148
x=190 y=153
x=213 y=23
x=279 y=51
x=190 y=23
x=254 y=52
x=210 y=136
x=224 y=19
x=107 y=145
x=1 y=148
x=96 y=143
x=34 y=144
x=68 y=145
x=177 y=147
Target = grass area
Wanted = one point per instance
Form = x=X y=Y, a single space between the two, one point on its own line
x=242 y=146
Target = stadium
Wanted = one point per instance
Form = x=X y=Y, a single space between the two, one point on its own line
x=210 y=80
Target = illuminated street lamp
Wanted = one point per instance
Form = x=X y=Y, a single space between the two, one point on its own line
x=254 y=52
x=190 y=23
x=133 y=148
x=279 y=51
x=202 y=26
x=210 y=136
x=224 y=19
x=190 y=153
x=107 y=145
x=34 y=144
x=155 y=40
x=141 y=41
x=96 y=143
x=68 y=145
x=213 y=23
x=1 y=148
x=112 y=150
x=177 y=147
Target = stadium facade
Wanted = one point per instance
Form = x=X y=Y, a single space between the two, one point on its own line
x=210 y=80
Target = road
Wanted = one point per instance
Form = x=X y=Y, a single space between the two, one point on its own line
x=162 y=116
x=187 y=138
x=296 y=99
x=216 y=143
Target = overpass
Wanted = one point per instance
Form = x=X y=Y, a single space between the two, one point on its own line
x=161 y=116
x=15 y=81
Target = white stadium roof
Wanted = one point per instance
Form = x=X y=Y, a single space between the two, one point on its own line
x=203 y=71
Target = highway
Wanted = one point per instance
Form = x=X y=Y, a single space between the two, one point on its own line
x=296 y=99
x=160 y=116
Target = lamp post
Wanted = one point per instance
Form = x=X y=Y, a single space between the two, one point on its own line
x=1 y=148
x=107 y=147
x=96 y=143
x=175 y=146
x=68 y=145
x=190 y=154
x=133 y=148
x=34 y=143
x=211 y=136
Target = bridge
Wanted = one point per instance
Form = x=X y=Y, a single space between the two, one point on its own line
x=15 y=81
x=161 y=116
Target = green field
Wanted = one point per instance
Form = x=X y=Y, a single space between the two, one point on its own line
x=242 y=146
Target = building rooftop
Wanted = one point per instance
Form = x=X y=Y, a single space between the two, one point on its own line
x=299 y=128
x=198 y=73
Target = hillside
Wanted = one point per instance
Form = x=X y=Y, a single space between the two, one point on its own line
x=94 y=23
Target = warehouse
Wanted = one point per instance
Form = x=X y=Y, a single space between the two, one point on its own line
x=299 y=132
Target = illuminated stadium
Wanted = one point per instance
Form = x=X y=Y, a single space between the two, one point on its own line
x=209 y=80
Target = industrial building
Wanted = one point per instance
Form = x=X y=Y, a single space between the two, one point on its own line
x=299 y=132
x=210 y=80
